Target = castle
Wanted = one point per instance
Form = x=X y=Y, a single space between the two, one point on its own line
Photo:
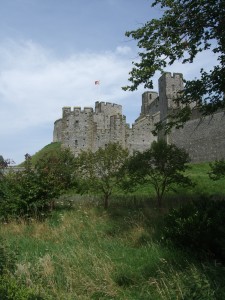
x=202 y=138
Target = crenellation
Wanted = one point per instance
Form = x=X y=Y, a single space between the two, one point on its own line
x=66 y=110
x=89 y=129
x=88 y=110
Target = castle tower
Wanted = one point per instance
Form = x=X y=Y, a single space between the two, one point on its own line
x=147 y=99
x=169 y=86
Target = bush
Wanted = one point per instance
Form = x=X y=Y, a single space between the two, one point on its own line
x=198 y=226
x=32 y=191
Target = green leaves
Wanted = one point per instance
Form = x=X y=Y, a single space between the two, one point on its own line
x=186 y=28
x=217 y=170
x=162 y=166
x=31 y=192
x=199 y=226
x=101 y=171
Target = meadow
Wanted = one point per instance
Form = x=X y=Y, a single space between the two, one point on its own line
x=82 y=251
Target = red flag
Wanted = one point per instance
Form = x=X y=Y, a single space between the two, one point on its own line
x=97 y=82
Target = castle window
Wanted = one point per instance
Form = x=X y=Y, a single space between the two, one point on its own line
x=76 y=142
x=150 y=96
x=77 y=122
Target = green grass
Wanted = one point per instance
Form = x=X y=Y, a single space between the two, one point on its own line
x=88 y=253
x=203 y=185
x=45 y=150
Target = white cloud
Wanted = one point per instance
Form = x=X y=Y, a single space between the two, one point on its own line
x=34 y=85
x=123 y=50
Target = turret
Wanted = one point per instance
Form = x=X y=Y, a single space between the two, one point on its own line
x=147 y=99
x=169 y=86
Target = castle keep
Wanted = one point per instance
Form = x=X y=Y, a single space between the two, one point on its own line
x=202 y=138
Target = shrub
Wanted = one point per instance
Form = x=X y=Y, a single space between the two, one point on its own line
x=198 y=226
x=32 y=191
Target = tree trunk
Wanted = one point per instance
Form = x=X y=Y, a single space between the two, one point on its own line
x=159 y=201
x=106 y=201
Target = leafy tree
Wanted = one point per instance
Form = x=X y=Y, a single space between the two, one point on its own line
x=55 y=172
x=4 y=163
x=32 y=191
x=101 y=171
x=186 y=28
x=162 y=166
x=217 y=170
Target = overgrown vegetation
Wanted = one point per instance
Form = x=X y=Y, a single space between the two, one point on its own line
x=89 y=253
x=76 y=249
x=31 y=192
x=199 y=226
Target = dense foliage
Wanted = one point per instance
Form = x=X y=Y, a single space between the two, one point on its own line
x=101 y=171
x=198 y=226
x=217 y=169
x=162 y=166
x=186 y=28
x=31 y=192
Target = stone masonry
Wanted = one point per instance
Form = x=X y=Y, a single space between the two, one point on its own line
x=203 y=138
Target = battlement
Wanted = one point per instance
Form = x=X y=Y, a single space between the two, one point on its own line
x=171 y=75
x=67 y=110
x=107 y=107
x=77 y=109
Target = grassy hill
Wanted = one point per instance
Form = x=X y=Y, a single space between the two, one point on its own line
x=197 y=172
x=45 y=150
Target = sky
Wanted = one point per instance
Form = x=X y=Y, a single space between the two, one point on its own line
x=51 y=54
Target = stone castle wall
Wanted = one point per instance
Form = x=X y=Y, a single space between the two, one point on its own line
x=90 y=129
x=202 y=138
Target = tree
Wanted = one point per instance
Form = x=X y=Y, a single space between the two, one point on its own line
x=101 y=172
x=217 y=170
x=186 y=28
x=55 y=172
x=162 y=166
x=4 y=163
x=33 y=190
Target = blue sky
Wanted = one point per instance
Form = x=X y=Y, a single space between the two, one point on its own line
x=52 y=51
